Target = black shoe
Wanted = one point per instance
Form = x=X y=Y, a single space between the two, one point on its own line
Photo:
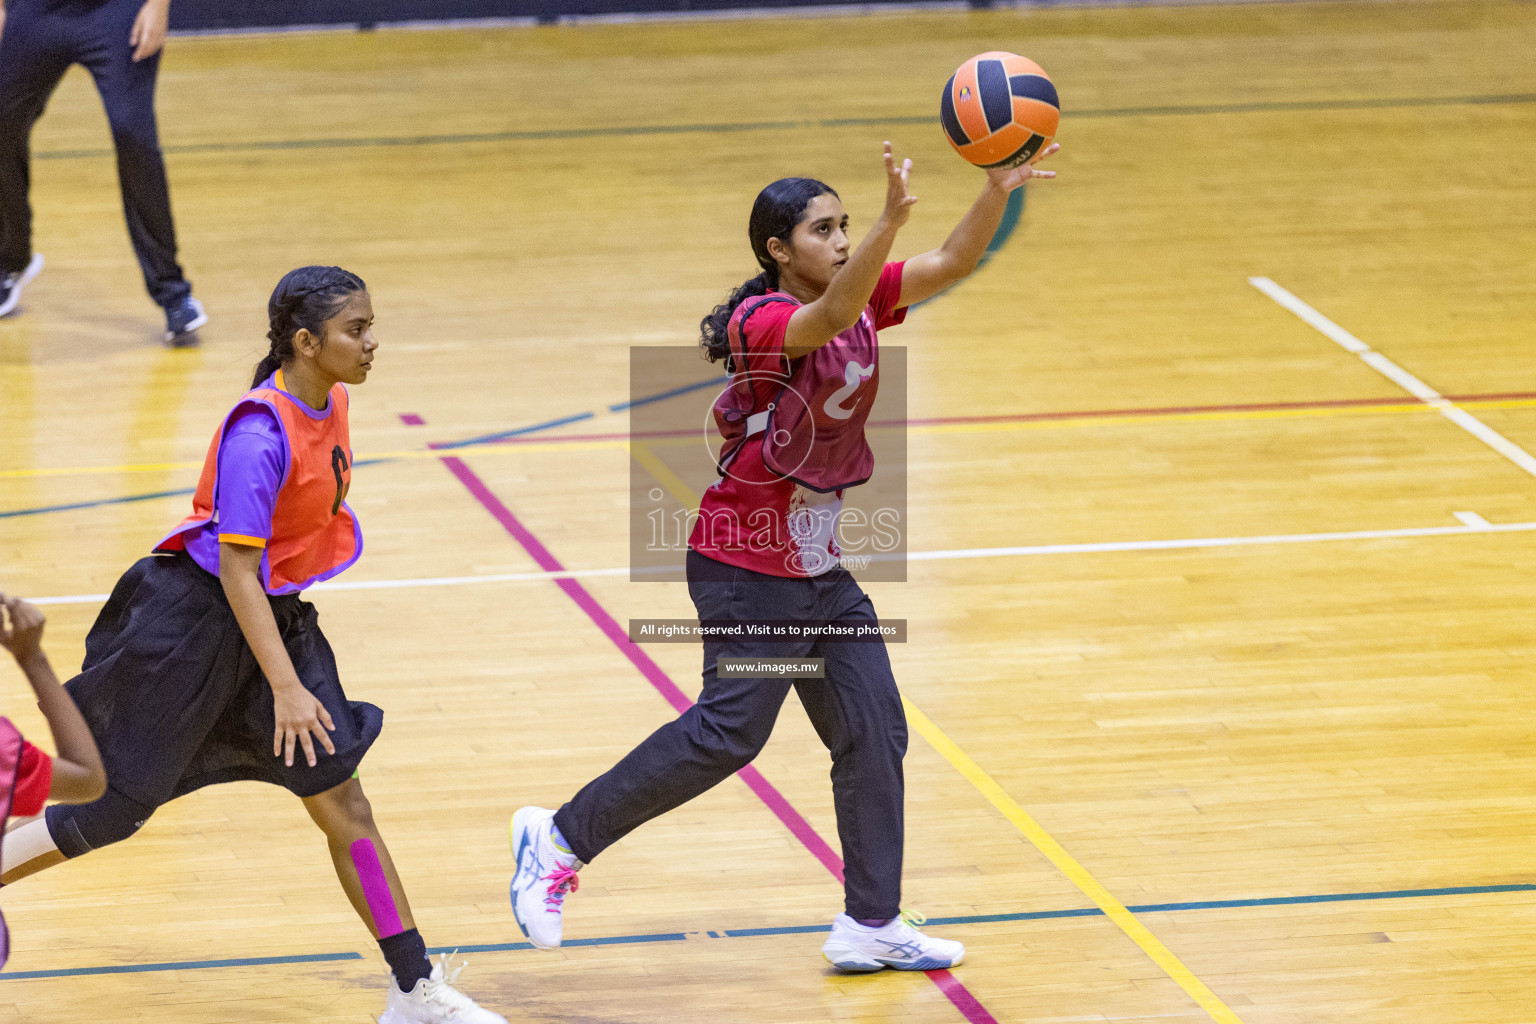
x=182 y=321
x=12 y=284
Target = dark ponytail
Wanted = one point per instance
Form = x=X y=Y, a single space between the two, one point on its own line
x=305 y=298
x=778 y=209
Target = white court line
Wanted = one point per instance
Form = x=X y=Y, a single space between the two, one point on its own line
x=1399 y=376
x=955 y=554
x=1217 y=542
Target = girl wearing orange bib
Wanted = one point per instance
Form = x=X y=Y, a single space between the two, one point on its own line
x=206 y=665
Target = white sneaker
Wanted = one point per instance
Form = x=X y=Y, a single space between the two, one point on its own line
x=434 y=1000
x=853 y=947
x=12 y=284
x=544 y=876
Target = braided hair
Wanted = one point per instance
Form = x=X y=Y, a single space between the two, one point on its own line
x=776 y=213
x=305 y=298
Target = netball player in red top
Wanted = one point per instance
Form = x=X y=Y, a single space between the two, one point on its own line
x=799 y=340
x=206 y=666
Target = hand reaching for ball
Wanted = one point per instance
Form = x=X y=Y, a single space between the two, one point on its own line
x=1010 y=178
x=898 y=202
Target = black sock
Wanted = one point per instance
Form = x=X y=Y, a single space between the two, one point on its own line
x=407 y=956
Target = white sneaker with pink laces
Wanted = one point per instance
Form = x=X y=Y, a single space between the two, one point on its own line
x=545 y=874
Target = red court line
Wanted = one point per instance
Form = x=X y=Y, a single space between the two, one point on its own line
x=1070 y=414
x=947 y=983
x=1503 y=397
x=1162 y=410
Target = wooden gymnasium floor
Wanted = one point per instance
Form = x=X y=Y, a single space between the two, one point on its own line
x=1307 y=760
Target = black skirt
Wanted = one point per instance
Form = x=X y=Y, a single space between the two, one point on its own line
x=176 y=701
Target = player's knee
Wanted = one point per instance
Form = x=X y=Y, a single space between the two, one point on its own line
x=890 y=723
x=881 y=736
x=347 y=810
x=77 y=829
x=734 y=743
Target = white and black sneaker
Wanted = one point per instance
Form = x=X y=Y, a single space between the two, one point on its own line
x=11 y=284
x=182 y=319
x=896 y=944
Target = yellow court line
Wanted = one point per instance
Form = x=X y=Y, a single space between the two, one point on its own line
x=1068 y=865
x=142 y=467
x=652 y=464
x=555 y=442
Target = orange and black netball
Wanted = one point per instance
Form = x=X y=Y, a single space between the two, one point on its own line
x=999 y=109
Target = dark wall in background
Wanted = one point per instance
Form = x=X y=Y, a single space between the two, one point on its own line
x=217 y=14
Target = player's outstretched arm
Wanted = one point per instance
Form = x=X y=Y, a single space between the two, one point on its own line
x=929 y=273
x=839 y=308
x=78 y=776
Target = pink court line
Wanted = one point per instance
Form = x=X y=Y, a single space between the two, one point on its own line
x=410 y=419
x=952 y=987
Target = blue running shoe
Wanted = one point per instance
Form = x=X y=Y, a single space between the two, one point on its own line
x=182 y=321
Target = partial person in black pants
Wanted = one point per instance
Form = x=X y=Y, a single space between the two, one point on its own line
x=800 y=342
x=119 y=42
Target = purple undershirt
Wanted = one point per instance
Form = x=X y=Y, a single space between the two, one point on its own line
x=252 y=458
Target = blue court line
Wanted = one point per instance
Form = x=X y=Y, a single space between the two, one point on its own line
x=727 y=127
x=94 y=504
x=685 y=389
x=125 y=499
x=609 y=940
x=186 y=965
x=1163 y=908
x=1345 y=897
x=499 y=435
x=806 y=929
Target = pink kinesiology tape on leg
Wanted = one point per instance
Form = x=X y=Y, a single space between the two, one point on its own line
x=376 y=888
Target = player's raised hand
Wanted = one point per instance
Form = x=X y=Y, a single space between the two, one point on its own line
x=898 y=201
x=1010 y=178
x=21 y=627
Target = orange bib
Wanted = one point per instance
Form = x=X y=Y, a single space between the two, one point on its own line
x=314 y=534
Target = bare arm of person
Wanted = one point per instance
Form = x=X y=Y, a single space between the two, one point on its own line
x=78 y=775
x=300 y=717
x=816 y=323
x=929 y=273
